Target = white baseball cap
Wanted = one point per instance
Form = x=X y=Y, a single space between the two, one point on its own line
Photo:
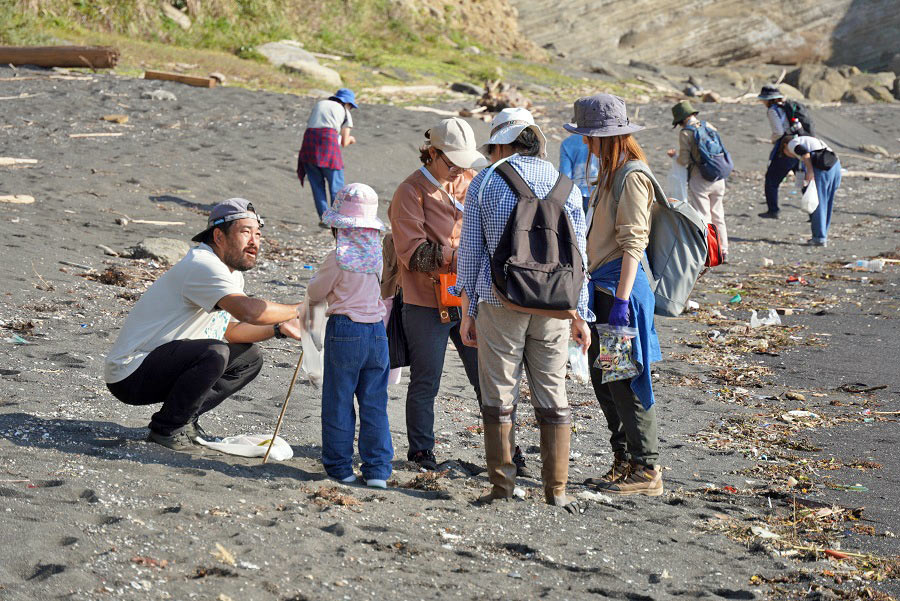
x=510 y=122
x=455 y=138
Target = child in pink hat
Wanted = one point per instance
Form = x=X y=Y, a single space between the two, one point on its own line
x=356 y=349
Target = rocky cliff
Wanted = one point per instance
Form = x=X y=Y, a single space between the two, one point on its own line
x=707 y=32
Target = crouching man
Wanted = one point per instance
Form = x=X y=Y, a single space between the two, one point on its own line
x=188 y=342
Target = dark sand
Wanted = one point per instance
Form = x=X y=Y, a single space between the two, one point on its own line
x=90 y=511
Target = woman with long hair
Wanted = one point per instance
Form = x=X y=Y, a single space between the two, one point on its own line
x=618 y=232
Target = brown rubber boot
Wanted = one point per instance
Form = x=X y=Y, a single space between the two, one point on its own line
x=616 y=473
x=499 y=443
x=641 y=480
x=555 y=442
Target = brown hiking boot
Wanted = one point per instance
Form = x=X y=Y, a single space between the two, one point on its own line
x=640 y=480
x=617 y=472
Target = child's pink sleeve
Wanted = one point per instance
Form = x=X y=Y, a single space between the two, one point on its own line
x=324 y=281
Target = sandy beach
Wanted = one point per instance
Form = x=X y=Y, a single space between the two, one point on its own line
x=90 y=511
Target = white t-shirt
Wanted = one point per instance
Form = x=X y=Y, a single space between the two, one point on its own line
x=180 y=305
x=328 y=113
x=805 y=144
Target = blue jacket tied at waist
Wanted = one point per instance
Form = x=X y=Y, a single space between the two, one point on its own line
x=640 y=305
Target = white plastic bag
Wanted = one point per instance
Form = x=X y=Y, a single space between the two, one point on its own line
x=252 y=445
x=312 y=327
x=810 y=200
x=771 y=319
x=578 y=361
x=677 y=182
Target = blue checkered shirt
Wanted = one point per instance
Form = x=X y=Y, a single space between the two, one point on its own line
x=484 y=222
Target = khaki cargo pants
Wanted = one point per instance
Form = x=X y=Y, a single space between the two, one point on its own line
x=508 y=341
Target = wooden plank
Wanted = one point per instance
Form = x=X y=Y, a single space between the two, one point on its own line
x=154 y=222
x=99 y=135
x=6 y=161
x=17 y=199
x=200 y=82
x=91 y=57
x=872 y=174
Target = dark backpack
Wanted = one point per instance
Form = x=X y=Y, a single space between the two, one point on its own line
x=537 y=266
x=795 y=110
x=715 y=162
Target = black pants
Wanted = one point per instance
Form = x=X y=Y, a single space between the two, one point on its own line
x=189 y=377
x=427 y=339
x=632 y=428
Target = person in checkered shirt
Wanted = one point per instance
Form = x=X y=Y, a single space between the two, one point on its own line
x=510 y=340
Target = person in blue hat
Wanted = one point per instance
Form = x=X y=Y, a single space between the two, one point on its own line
x=320 y=159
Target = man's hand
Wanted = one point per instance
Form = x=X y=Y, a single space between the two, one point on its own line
x=671 y=152
x=467 y=331
x=291 y=328
x=581 y=334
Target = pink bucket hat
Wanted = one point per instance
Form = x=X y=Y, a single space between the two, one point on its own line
x=356 y=205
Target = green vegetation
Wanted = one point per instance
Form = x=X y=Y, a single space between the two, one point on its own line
x=381 y=41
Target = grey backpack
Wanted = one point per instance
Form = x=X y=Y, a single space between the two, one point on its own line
x=677 y=249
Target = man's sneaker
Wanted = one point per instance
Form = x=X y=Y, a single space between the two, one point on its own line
x=617 y=472
x=769 y=215
x=817 y=242
x=178 y=440
x=640 y=480
x=425 y=460
x=195 y=431
x=522 y=470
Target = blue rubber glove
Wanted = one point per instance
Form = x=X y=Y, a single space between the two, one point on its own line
x=618 y=315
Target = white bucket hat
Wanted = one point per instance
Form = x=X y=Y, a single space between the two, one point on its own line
x=509 y=123
x=455 y=138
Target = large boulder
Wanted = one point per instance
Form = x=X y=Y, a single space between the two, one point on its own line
x=880 y=93
x=315 y=71
x=164 y=250
x=883 y=78
x=790 y=92
x=285 y=51
x=825 y=90
x=818 y=82
x=858 y=96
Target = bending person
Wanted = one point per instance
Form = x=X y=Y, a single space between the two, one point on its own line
x=821 y=164
x=188 y=343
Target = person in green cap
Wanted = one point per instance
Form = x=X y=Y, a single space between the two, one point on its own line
x=704 y=195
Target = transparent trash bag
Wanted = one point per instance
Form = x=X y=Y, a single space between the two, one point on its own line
x=252 y=445
x=677 y=181
x=810 y=200
x=615 y=356
x=578 y=362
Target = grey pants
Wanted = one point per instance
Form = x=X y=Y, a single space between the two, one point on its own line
x=633 y=428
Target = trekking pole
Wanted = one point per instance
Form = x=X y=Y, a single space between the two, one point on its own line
x=284 y=406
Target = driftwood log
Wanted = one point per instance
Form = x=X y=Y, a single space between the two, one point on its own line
x=92 y=57
x=200 y=82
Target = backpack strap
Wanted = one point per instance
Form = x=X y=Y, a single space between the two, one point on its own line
x=659 y=196
x=558 y=194
x=515 y=181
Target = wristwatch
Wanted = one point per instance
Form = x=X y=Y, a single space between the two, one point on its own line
x=278 y=333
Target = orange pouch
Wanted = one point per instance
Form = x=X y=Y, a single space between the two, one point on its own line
x=446 y=299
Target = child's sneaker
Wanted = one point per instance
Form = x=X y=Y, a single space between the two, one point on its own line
x=376 y=483
x=348 y=480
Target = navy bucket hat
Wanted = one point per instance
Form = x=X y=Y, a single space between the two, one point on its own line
x=601 y=115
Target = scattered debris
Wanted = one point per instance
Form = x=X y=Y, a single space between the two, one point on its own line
x=330 y=495
x=223 y=555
